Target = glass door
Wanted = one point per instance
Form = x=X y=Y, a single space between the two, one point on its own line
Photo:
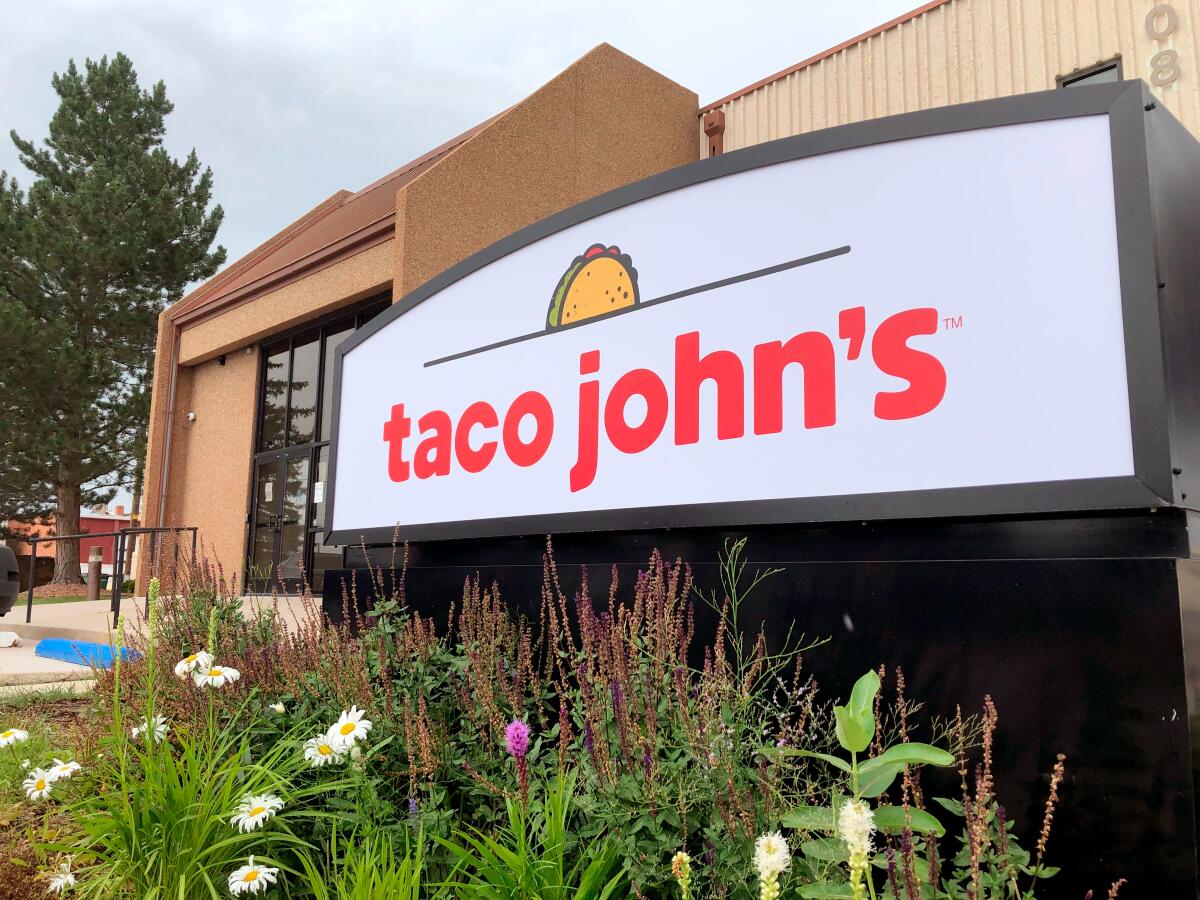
x=295 y=403
x=264 y=538
x=293 y=521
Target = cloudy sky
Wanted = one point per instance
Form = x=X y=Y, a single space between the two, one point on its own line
x=290 y=101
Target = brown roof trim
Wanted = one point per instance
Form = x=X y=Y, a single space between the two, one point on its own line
x=214 y=284
x=425 y=157
x=812 y=60
x=211 y=297
x=378 y=232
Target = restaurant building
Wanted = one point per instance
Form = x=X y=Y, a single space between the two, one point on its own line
x=241 y=409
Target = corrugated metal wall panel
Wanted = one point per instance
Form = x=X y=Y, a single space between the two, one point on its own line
x=967 y=50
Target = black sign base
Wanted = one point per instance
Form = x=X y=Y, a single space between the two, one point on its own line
x=1084 y=630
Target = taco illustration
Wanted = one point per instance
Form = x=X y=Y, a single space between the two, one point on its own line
x=600 y=281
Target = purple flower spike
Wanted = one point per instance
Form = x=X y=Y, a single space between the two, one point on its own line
x=516 y=738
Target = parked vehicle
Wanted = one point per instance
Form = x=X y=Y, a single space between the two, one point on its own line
x=10 y=580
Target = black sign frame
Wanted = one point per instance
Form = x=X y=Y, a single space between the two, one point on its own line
x=1150 y=486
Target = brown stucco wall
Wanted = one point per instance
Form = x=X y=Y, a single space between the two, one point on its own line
x=605 y=121
x=208 y=472
x=324 y=291
x=212 y=455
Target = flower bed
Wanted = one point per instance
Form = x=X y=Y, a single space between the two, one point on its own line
x=596 y=750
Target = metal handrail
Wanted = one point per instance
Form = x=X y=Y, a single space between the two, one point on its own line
x=119 y=558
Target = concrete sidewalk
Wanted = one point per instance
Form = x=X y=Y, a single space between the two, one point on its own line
x=19 y=666
x=92 y=621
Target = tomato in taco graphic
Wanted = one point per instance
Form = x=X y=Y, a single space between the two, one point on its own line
x=600 y=281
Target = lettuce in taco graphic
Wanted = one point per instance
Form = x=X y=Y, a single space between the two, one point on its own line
x=599 y=281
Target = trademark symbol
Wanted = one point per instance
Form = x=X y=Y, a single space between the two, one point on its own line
x=951 y=322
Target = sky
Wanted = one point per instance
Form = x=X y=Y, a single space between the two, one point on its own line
x=289 y=102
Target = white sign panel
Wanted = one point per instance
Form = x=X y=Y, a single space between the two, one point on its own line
x=922 y=314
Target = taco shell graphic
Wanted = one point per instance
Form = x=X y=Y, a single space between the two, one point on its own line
x=600 y=281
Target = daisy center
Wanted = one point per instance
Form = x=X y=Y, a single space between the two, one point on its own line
x=7 y=734
x=325 y=750
x=214 y=671
x=40 y=784
x=191 y=659
x=250 y=876
x=257 y=810
x=347 y=728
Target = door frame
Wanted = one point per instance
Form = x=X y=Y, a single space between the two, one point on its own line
x=356 y=316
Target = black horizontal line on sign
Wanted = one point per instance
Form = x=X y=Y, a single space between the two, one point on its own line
x=665 y=298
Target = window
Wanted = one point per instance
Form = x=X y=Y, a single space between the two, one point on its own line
x=1097 y=74
x=291 y=466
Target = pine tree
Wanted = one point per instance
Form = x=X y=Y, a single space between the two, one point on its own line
x=111 y=230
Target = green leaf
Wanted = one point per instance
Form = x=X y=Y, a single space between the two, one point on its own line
x=891 y=820
x=878 y=779
x=828 y=849
x=826 y=891
x=832 y=760
x=810 y=818
x=909 y=754
x=861 y=705
x=953 y=805
x=850 y=733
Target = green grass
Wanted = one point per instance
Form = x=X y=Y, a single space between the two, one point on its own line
x=39 y=601
x=34 y=697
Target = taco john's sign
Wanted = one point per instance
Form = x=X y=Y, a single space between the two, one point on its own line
x=820 y=336
x=471 y=441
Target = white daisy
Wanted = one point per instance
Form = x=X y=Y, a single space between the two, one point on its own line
x=24 y=764
x=13 y=736
x=37 y=784
x=350 y=727
x=201 y=659
x=254 y=810
x=279 y=707
x=159 y=730
x=771 y=856
x=251 y=878
x=62 y=769
x=215 y=676
x=321 y=750
x=62 y=880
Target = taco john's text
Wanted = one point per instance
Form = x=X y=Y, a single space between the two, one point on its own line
x=473 y=441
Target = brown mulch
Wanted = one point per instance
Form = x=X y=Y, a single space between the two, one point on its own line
x=61 y=590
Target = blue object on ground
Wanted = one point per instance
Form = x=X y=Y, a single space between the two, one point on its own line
x=81 y=653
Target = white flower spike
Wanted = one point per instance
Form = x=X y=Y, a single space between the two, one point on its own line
x=321 y=750
x=62 y=880
x=62 y=769
x=254 y=810
x=215 y=676
x=251 y=878
x=856 y=825
x=159 y=729
x=13 y=736
x=350 y=727
x=771 y=856
x=37 y=784
x=201 y=659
